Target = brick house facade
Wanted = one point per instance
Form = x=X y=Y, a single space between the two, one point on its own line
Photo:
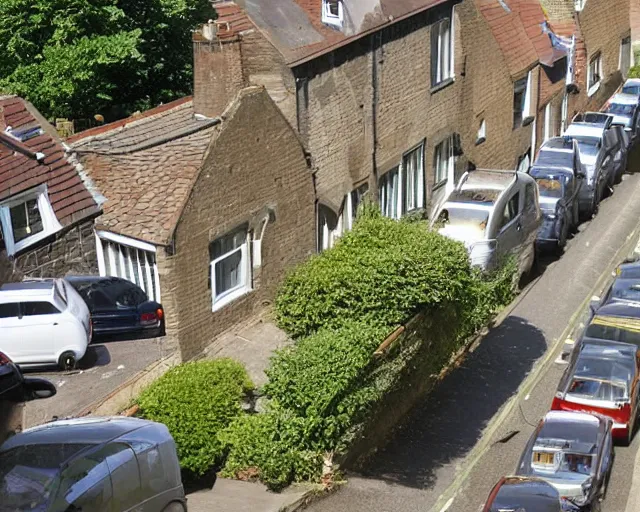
x=205 y=212
x=47 y=204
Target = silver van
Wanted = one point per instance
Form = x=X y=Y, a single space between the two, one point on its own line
x=114 y=464
x=495 y=214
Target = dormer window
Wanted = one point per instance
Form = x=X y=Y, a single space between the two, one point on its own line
x=332 y=12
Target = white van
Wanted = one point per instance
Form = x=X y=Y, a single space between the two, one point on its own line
x=43 y=322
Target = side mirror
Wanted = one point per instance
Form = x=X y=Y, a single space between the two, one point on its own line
x=36 y=389
x=581 y=175
x=594 y=303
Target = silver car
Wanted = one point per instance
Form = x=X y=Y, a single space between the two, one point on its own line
x=92 y=464
x=573 y=451
x=624 y=108
x=495 y=214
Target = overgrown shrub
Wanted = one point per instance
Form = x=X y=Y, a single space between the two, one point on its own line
x=382 y=270
x=196 y=401
x=634 y=72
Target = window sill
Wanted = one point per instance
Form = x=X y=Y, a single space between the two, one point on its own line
x=442 y=85
x=332 y=22
x=28 y=242
x=439 y=185
x=230 y=297
x=593 y=89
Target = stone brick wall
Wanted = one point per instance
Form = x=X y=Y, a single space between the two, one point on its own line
x=72 y=251
x=255 y=163
x=634 y=19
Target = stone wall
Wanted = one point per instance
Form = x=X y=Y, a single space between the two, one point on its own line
x=255 y=165
x=71 y=251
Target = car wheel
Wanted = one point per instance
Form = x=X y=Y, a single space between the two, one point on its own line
x=67 y=361
x=174 y=507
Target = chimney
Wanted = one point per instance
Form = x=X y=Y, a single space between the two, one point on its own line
x=217 y=67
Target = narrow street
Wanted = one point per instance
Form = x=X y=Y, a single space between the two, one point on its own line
x=430 y=463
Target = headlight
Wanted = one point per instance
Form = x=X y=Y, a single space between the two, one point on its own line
x=550 y=216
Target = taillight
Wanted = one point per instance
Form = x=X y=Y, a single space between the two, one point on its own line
x=159 y=313
x=4 y=359
x=148 y=318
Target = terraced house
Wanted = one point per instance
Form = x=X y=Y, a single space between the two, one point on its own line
x=47 y=204
x=391 y=98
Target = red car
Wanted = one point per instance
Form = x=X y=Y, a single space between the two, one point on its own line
x=602 y=378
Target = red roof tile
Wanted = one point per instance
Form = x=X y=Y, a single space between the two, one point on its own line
x=21 y=168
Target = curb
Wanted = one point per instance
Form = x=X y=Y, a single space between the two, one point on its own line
x=446 y=498
x=121 y=398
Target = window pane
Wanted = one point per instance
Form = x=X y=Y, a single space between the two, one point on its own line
x=228 y=273
x=445 y=58
x=38 y=308
x=332 y=7
x=9 y=310
x=228 y=243
x=25 y=220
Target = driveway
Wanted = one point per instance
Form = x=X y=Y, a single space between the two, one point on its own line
x=105 y=367
x=430 y=463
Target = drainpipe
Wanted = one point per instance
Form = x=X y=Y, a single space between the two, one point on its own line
x=534 y=130
x=374 y=105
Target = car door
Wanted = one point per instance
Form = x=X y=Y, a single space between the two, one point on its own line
x=11 y=341
x=125 y=477
x=42 y=327
x=510 y=235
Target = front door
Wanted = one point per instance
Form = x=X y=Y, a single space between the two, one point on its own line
x=41 y=325
x=11 y=341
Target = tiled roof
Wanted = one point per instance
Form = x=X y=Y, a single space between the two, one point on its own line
x=295 y=27
x=22 y=169
x=145 y=166
x=518 y=31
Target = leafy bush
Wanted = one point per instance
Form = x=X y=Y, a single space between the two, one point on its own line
x=634 y=72
x=196 y=401
x=381 y=270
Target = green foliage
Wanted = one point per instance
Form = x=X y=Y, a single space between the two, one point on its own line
x=196 y=401
x=634 y=72
x=76 y=58
x=381 y=270
x=341 y=305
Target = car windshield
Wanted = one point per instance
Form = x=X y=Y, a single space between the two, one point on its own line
x=627 y=290
x=460 y=217
x=618 y=109
x=631 y=89
x=605 y=329
x=29 y=475
x=588 y=145
x=550 y=186
x=562 y=465
x=110 y=292
x=598 y=389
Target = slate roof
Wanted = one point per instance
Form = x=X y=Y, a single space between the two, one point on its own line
x=145 y=165
x=295 y=27
x=22 y=169
x=516 y=26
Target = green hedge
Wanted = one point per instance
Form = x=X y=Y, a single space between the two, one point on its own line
x=340 y=305
x=196 y=401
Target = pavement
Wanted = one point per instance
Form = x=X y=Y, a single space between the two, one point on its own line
x=471 y=430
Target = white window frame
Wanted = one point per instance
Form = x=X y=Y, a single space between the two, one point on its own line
x=625 y=41
x=50 y=223
x=330 y=18
x=221 y=300
x=445 y=51
x=526 y=107
x=548 y=125
x=399 y=205
x=565 y=111
x=444 y=162
x=136 y=256
x=346 y=218
x=579 y=4
x=593 y=88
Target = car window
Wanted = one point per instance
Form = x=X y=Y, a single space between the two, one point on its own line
x=85 y=485
x=511 y=210
x=9 y=310
x=38 y=308
x=530 y=199
x=125 y=476
x=130 y=295
x=61 y=292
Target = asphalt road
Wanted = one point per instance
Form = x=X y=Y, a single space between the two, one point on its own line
x=430 y=463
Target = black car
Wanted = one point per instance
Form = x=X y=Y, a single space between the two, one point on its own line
x=118 y=306
x=14 y=390
x=516 y=493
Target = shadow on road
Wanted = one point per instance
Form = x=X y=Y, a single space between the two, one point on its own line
x=451 y=420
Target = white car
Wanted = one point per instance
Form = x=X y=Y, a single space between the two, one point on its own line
x=43 y=322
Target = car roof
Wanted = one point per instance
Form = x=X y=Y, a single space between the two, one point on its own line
x=565 y=143
x=88 y=430
x=620 y=308
x=624 y=99
x=585 y=130
x=517 y=493
x=489 y=179
x=632 y=81
x=546 y=169
x=27 y=289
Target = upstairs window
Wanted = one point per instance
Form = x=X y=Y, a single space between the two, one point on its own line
x=625 y=56
x=522 y=101
x=594 y=74
x=442 y=51
x=332 y=12
x=26 y=219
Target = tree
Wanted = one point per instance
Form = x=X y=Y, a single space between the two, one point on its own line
x=77 y=58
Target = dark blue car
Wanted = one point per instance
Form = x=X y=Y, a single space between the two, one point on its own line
x=118 y=306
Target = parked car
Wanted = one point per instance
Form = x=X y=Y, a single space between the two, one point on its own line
x=628 y=269
x=16 y=389
x=602 y=378
x=515 y=493
x=573 y=452
x=119 y=306
x=619 y=139
x=632 y=86
x=43 y=322
x=559 y=175
x=92 y=464
x=495 y=214
x=622 y=289
x=616 y=320
x=612 y=144
x=624 y=108
x=598 y=160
